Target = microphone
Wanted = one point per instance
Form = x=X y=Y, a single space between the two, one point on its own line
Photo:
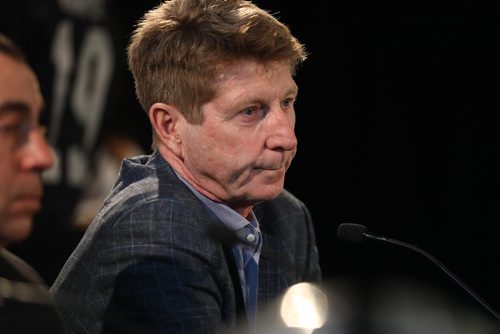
x=359 y=234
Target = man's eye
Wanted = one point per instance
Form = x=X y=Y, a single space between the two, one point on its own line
x=17 y=132
x=249 y=111
x=287 y=103
x=11 y=129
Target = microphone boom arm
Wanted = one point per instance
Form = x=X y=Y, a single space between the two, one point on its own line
x=359 y=234
x=378 y=238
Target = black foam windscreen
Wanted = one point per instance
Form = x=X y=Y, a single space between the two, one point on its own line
x=351 y=232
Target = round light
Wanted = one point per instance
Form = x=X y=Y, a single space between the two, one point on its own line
x=304 y=306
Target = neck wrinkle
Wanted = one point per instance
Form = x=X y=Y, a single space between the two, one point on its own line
x=177 y=164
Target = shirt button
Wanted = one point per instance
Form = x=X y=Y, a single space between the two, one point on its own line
x=250 y=237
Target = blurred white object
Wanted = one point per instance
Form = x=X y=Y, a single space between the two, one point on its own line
x=304 y=306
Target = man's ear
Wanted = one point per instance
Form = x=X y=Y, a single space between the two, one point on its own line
x=165 y=120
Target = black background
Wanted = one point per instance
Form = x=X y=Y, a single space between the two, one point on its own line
x=397 y=122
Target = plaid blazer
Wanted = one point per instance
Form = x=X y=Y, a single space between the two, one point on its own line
x=154 y=261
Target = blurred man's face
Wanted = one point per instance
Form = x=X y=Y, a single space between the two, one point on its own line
x=24 y=152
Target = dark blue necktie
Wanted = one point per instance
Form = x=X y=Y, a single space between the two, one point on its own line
x=251 y=269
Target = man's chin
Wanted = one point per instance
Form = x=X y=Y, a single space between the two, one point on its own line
x=16 y=229
x=268 y=192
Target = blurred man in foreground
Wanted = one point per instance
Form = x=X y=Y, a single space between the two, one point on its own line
x=25 y=305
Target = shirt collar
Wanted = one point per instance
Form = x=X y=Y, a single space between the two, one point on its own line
x=230 y=218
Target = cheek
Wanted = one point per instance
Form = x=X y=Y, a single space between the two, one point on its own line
x=3 y=205
x=218 y=152
x=202 y=151
x=218 y=158
x=5 y=184
x=212 y=145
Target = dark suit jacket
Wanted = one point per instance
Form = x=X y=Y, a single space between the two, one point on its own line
x=25 y=303
x=155 y=261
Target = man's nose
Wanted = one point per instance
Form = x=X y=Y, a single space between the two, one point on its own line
x=37 y=153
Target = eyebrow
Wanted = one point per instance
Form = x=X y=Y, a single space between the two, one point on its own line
x=14 y=106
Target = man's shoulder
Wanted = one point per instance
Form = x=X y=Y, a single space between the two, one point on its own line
x=147 y=178
x=146 y=190
x=26 y=304
x=13 y=267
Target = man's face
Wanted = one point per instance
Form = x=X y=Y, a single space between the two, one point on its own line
x=24 y=152
x=240 y=154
